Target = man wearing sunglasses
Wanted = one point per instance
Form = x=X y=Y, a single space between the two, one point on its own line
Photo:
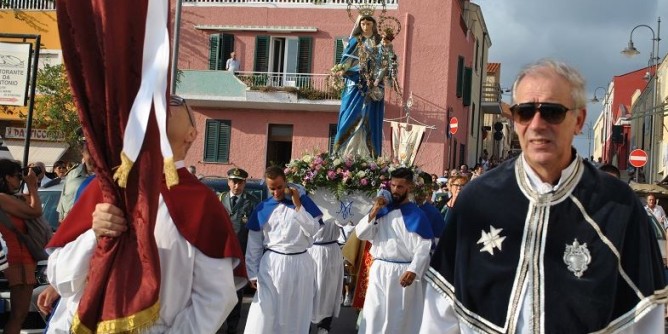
x=558 y=246
x=197 y=247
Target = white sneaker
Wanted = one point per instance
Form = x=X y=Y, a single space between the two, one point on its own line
x=348 y=301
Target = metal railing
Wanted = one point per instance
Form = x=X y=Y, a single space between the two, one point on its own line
x=306 y=85
x=28 y=4
x=297 y=2
x=491 y=93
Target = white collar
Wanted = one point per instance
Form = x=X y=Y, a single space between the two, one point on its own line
x=544 y=187
x=180 y=164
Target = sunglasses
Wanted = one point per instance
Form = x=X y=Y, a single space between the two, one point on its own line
x=176 y=101
x=553 y=113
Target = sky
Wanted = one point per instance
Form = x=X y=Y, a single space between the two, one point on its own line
x=587 y=34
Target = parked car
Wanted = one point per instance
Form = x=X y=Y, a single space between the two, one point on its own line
x=219 y=185
x=50 y=197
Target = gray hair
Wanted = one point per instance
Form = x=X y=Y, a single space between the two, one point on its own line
x=569 y=73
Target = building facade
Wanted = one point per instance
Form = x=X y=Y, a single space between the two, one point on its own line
x=277 y=108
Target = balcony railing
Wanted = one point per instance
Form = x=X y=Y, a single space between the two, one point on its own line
x=491 y=93
x=306 y=85
x=286 y=2
x=28 y=4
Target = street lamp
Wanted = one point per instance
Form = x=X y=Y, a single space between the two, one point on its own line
x=595 y=99
x=606 y=120
x=631 y=51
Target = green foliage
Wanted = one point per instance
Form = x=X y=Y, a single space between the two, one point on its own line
x=54 y=105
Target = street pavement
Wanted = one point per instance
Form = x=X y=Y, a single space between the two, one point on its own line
x=344 y=324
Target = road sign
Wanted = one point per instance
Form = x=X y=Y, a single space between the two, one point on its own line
x=454 y=124
x=638 y=158
x=14 y=62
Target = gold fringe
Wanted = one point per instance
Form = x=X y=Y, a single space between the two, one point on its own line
x=123 y=171
x=133 y=324
x=171 y=175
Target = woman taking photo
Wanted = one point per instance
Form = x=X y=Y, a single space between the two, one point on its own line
x=19 y=208
x=455 y=184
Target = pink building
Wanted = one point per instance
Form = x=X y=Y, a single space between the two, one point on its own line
x=617 y=104
x=276 y=108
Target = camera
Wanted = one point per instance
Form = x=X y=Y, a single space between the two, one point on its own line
x=35 y=169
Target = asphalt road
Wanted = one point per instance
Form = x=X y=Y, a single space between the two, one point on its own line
x=344 y=324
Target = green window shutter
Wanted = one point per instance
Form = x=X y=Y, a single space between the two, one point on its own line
x=332 y=136
x=217 y=141
x=261 y=54
x=305 y=54
x=338 y=50
x=224 y=133
x=226 y=47
x=468 y=78
x=214 y=51
x=460 y=76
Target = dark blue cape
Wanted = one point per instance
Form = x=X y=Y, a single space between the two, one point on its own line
x=415 y=219
x=435 y=218
x=264 y=210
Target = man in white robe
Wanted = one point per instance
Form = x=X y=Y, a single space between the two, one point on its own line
x=401 y=237
x=281 y=229
x=328 y=260
x=197 y=286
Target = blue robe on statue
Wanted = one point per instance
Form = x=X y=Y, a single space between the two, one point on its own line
x=360 y=125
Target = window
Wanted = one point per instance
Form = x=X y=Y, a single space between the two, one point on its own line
x=304 y=55
x=220 y=47
x=261 y=54
x=460 y=76
x=217 y=140
x=338 y=49
x=468 y=83
x=283 y=54
x=473 y=118
x=332 y=136
x=477 y=49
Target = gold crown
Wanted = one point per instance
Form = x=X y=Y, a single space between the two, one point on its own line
x=366 y=8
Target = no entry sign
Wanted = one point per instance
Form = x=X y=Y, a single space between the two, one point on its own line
x=638 y=158
x=454 y=124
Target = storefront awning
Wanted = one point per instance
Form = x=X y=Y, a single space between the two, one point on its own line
x=47 y=152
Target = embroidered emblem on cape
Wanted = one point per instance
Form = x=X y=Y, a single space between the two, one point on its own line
x=491 y=240
x=577 y=258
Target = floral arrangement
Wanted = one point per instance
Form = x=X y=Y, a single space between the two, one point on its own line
x=334 y=79
x=343 y=175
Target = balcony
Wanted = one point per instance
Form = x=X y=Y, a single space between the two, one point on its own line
x=258 y=90
x=337 y=4
x=28 y=4
x=491 y=99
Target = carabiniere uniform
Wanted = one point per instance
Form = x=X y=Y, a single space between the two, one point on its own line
x=568 y=247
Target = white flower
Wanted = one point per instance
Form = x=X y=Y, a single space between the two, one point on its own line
x=360 y=174
x=337 y=162
x=307 y=159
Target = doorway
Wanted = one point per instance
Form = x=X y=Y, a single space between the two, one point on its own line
x=279 y=145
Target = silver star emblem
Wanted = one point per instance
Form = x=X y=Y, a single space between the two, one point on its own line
x=491 y=240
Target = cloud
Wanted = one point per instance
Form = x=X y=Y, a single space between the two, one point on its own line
x=587 y=34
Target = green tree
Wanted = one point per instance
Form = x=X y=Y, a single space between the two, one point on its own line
x=54 y=105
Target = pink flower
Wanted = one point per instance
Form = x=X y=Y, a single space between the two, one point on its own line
x=287 y=170
x=331 y=175
x=364 y=182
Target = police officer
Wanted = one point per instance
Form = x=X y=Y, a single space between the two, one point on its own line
x=239 y=205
